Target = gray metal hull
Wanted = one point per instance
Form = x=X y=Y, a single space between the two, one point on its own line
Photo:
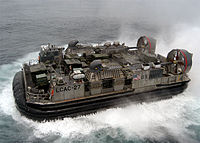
x=86 y=106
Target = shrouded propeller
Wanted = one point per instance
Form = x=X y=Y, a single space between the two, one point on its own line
x=181 y=61
x=146 y=44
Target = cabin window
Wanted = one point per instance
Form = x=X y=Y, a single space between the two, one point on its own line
x=107 y=83
x=142 y=77
x=128 y=81
x=87 y=86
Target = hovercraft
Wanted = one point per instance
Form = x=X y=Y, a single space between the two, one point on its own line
x=83 y=79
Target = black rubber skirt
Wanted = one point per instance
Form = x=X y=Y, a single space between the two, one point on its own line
x=42 y=112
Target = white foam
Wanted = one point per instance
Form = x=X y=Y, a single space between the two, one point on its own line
x=150 y=120
x=7 y=73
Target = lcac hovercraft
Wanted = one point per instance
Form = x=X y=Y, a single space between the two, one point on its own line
x=83 y=79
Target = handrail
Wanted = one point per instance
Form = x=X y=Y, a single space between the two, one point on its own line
x=38 y=97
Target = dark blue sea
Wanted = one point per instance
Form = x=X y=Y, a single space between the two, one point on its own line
x=27 y=24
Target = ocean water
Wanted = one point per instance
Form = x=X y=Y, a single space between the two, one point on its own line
x=26 y=24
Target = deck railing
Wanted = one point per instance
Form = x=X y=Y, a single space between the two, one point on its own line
x=33 y=97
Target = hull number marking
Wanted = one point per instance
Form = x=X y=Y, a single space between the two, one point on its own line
x=68 y=88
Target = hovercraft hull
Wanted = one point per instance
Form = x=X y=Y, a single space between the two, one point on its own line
x=86 y=106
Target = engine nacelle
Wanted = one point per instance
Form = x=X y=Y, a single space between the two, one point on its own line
x=146 y=45
x=181 y=61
